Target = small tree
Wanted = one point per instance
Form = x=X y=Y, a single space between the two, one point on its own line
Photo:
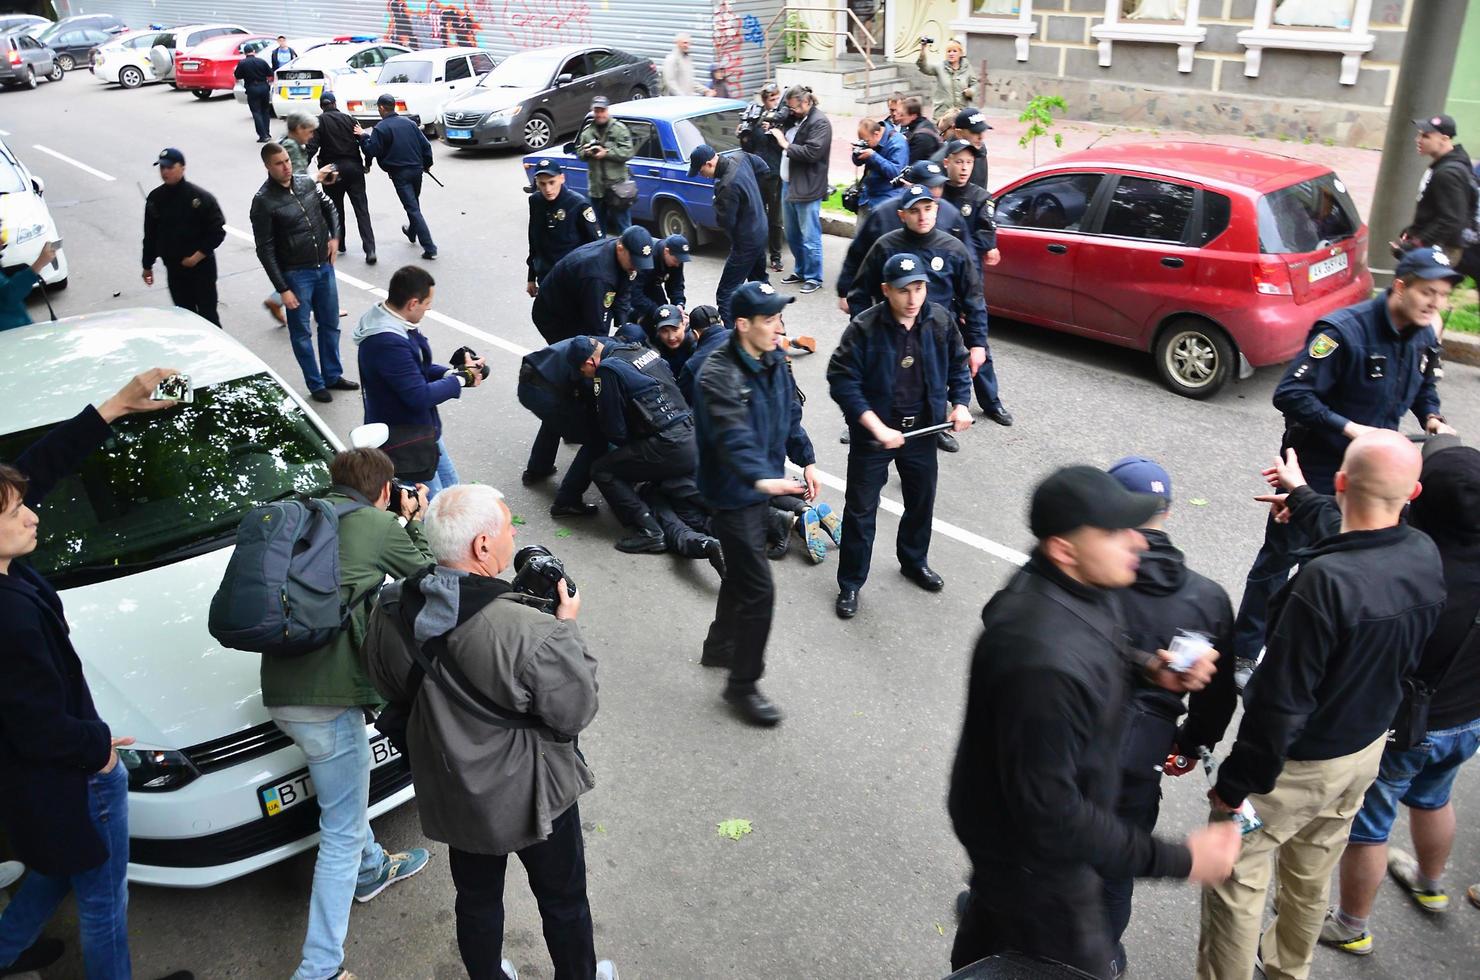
x=1039 y=117
x=796 y=36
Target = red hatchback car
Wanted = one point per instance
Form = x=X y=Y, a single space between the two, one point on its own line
x=1216 y=259
x=209 y=67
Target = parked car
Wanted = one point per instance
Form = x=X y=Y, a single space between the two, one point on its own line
x=107 y=23
x=137 y=543
x=28 y=221
x=163 y=55
x=664 y=131
x=73 y=46
x=22 y=22
x=209 y=67
x=421 y=82
x=1216 y=259
x=534 y=97
x=298 y=44
x=125 y=59
x=298 y=84
x=24 y=60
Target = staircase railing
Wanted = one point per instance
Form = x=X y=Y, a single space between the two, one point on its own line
x=863 y=40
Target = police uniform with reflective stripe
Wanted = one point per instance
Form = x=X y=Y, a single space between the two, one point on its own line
x=556 y=228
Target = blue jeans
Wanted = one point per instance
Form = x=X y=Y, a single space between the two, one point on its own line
x=1420 y=777
x=446 y=475
x=804 y=237
x=407 y=182
x=338 y=754
x=612 y=220
x=102 y=892
x=317 y=293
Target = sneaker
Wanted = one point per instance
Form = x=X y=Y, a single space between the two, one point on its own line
x=791 y=279
x=508 y=967
x=397 y=867
x=343 y=974
x=38 y=956
x=811 y=286
x=831 y=523
x=1404 y=869
x=811 y=531
x=605 y=970
x=1334 y=934
x=10 y=873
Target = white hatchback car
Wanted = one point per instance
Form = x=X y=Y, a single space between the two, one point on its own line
x=27 y=221
x=420 y=81
x=137 y=542
x=298 y=84
x=125 y=59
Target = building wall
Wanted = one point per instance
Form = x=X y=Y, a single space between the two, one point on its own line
x=1464 y=89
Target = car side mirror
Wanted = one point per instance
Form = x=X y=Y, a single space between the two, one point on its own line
x=564 y=78
x=39 y=184
x=569 y=147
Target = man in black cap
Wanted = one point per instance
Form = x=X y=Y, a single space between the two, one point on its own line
x=753 y=131
x=606 y=145
x=663 y=284
x=560 y=221
x=749 y=422
x=339 y=147
x=183 y=225
x=972 y=127
x=255 y=74
x=586 y=292
x=1364 y=367
x=742 y=216
x=1446 y=195
x=899 y=367
x=1033 y=787
x=405 y=154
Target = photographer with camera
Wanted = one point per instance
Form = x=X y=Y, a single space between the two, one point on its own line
x=318 y=700
x=755 y=126
x=403 y=386
x=606 y=145
x=882 y=153
x=497 y=691
x=955 y=82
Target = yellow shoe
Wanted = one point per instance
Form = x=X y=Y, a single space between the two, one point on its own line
x=1335 y=934
x=1404 y=869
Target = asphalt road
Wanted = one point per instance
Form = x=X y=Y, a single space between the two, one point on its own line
x=851 y=868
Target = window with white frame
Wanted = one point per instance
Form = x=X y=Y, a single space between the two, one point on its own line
x=1153 y=21
x=1007 y=18
x=1337 y=26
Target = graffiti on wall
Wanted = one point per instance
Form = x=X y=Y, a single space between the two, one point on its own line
x=729 y=34
x=528 y=23
x=536 y=23
x=435 y=25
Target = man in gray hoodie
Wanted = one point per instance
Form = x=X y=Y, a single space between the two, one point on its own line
x=498 y=690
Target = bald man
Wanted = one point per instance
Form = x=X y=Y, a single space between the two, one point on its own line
x=1343 y=634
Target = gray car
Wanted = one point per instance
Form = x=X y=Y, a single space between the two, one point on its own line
x=24 y=60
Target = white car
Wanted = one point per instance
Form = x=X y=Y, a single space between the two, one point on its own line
x=177 y=39
x=125 y=59
x=298 y=84
x=420 y=81
x=27 y=222
x=299 y=44
x=137 y=543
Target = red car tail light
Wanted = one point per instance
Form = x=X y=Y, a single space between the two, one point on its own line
x=354 y=105
x=15 y=57
x=400 y=106
x=1272 y=277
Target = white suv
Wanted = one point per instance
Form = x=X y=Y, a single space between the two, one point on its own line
x=137 y=542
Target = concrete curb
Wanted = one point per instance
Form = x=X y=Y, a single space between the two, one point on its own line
x=1461 y=348
x=841 y=225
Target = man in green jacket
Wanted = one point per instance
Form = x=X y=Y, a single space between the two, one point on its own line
x=318 y=700
x=606 y=146
x=15 y=288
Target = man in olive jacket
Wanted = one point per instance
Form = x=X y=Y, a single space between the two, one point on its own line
x=318 y=700
x=492 y=728
x=606 y=146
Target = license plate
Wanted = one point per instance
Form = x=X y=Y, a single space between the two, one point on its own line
x=459 y=134
x=299 y=92
x=1329 y=267
x=190 y=66
x=290 y=791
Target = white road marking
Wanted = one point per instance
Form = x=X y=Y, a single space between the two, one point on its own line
x=76 y=163
x=968 y=538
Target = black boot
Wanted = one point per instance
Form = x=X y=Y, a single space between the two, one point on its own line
x=643 y=541
x=38 y=956
x=715 y=554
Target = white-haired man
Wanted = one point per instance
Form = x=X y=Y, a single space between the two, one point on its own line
x=497 y=690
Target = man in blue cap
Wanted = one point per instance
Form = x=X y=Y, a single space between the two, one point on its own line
x=560 y=221
x=405 y=154
x=663 y=285
x=552 y=388
x=183 y=225
x=741 y=212
x=1364 y=367
x=588 y=291
x=749 y=423
x=899 y=366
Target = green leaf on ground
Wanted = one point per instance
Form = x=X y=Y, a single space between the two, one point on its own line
x=518 y=520
x=733 y=829
x=564 y=532
x=1198 y=502
x=601 y=828
x=939 y=929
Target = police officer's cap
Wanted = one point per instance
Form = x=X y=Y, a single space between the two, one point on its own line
x=701 y=318
x=168 y=157
x=926 y=172
x=902 y=269
x=600 y=102
x=699 y=156
x=328 y=98
x=678 y=247
x=1427 y=263
x=663 y=316
x=579 y=352
x=757 y=299
x=1140 y=474
x=639 y=245
x=973 y=120
x=1082 y=496
x=546 y=168
x=386 y=101
x=916 y=196
x=956 y=146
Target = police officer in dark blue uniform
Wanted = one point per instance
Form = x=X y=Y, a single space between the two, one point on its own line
x=741 y=213
x=586 y=292
x=667 y=332
x=663 y=284
x=709 y=334
x=641 y=413
x=972 y=126
x=553 y=389
x=405 y=154
x=1364 y=367
x=900 y=366
x=560 y=220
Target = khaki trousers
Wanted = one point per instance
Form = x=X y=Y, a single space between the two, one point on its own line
x=1306 y=820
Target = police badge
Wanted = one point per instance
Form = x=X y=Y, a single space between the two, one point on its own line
x=965 y=210
x=937 y=263
x=596 y=384
x=560 y=214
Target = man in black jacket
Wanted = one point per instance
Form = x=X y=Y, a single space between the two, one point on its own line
x=753 y=131
x=806 y=148
x=1446 y=195
x=255 y=74
x=919 y=131
x=587 y=291
x=742 y=217
x=1343 y=634
x=560 y=221
x=339 y=146
x=1167 y=598
x=1033 y=787
x=183 y=225
x=296 y=230
x=405 y=154
x=67 y=813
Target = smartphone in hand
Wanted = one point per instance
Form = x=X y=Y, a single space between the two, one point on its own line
x=174 y=388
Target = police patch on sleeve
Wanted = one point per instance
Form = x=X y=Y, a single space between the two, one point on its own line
x=589 y=214
x=1322 y=346
x=608 y=299
x=596 y=384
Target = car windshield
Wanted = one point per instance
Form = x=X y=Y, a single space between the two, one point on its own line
x=527 y=69
x=11 y=182
x=715 y=128
x=1306 y=216
x=401 y=72
x=166 y=487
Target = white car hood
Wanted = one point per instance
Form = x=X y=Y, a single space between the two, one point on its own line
x=154 y=670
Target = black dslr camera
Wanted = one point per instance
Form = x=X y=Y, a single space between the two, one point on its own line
x=779 y=117
x=537 y=574
x=401 y=490
x=460 y=359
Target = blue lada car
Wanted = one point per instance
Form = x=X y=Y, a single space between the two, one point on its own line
x=664 y=131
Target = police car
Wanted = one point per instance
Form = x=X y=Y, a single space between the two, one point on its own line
x=136 y=544
x=297 y=85
x=27 y=222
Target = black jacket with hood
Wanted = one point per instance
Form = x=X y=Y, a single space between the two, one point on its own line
x=1446 y=202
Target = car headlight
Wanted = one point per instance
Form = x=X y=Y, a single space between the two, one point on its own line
x=157 y=770
x=27 y=232
x=508 y=113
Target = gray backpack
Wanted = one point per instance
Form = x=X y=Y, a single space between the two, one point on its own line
x=280 y=595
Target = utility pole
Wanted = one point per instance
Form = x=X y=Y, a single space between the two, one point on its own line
x=1427 y=66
